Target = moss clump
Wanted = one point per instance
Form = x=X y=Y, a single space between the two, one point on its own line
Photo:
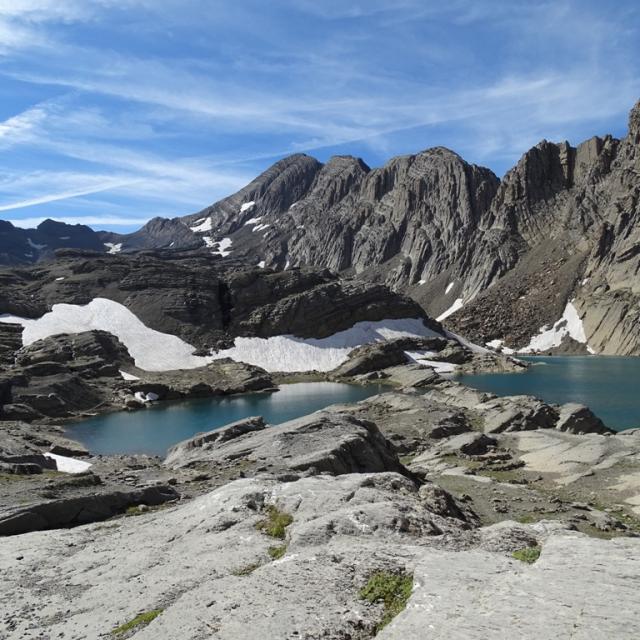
x=275 y=524
x=528 y=554
x=392 y=589
x=140 y=620
x=275 y=553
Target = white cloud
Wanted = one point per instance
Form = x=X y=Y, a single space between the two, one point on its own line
x=62 y=195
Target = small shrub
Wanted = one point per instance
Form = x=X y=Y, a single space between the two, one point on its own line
x=392 y=589
x=275 y=553
x=140 y=620
x=528 y=554
x=275 y=523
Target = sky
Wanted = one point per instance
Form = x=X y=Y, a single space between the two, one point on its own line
x=116 y=111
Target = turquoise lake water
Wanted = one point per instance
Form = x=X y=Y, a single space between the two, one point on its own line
x=155 y=429
x=610 y=386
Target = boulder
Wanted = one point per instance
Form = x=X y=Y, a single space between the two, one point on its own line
x=576 y=418
x=201 y=442
x=322 y=442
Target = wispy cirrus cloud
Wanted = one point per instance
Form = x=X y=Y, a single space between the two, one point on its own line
x=177 y=105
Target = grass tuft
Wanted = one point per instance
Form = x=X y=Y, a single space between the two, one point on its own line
x=275 y=553
x=276 y=523
x=528 y=554
x=140 y=620
x=392 y=589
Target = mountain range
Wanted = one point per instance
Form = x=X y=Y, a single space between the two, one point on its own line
x=546 y=259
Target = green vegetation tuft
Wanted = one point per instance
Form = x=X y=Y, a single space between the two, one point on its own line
x=276 y=553
x=140 y=620
x=275 y=523
x=393 y=589
x=528 y=554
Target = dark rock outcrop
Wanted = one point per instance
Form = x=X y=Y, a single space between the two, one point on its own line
x=77 y=510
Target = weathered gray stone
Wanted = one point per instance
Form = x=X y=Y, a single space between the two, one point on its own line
x=559 y=596
x=321 y=442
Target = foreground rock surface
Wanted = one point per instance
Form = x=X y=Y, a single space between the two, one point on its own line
x=290 y=522
x=573 y=591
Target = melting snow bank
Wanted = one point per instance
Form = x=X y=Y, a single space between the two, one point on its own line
x=289 y=353
x=569 y=324
x=458 y=304
x=151 y=350
x=156 y=351
x=68 y=465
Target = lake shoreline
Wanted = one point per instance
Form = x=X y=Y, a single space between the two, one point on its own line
x=603 y=383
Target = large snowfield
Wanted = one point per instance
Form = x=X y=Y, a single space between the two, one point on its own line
x=288 y=353
x=156 y=351
x=151 y=350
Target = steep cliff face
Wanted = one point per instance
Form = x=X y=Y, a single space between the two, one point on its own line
x=576 y=209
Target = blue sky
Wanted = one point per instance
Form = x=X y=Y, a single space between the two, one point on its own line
x=115 y=111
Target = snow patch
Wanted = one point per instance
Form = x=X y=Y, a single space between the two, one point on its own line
x=33 y=245
x=210 y=242
x=498 y=345
x=68 y=465
x=569 y=324
x=65 y=237
x=60 y=278
x=422 y=357
x=128 y=376
x=202 y=226
x=261 y=264
x=141 y=396
x=286 y=265
x=449 y=287
x=421 y=282
x=247 y=205
x=458 y=304
x=150 y=349
x=260 y=227
x=113 y=247
x=224 y=247
x=289 y=353
x=253 y=220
